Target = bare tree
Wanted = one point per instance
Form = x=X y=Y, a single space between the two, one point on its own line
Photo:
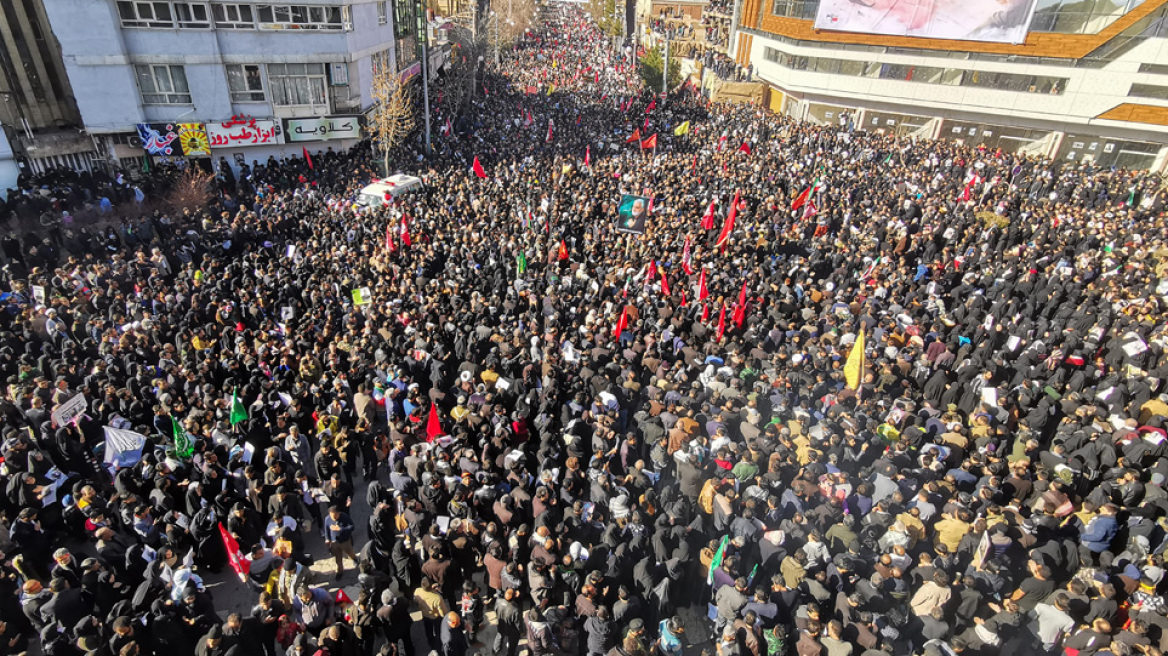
x=393 y=118
x=192 y=191
x=459 y=85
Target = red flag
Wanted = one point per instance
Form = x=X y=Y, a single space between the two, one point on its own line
x=664 y=284
x=703 y=293
x=621 y=323
x=708 y=217
x=705 y=312
x=646 y=126
x=686 y=263
x=652 y=106
x=307 y=157
x=651 y=142
x=239 y=564
x=587 y=155
x=745 y=147
x=551 y=124
x=802 y=198
x=635 y=136
x=652 y=273
x=809 y=210
x=721 y=142
x=405 y=232
x=722 y=322
x=563 y=254
x=478 y=168
x=740 y=311
x=683 y=297
x=449 y=127
x=728 y=227
x=433 y=426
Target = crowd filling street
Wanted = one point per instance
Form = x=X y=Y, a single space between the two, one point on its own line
x=820 y=391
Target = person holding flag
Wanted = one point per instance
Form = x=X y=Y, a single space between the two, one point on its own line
x=854 y=369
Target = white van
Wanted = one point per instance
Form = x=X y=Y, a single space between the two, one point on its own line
x=381 y=191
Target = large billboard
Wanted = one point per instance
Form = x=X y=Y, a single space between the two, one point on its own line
x=1002 y=21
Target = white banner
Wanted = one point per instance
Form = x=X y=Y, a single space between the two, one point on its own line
x=70 y=410
x=123 y=448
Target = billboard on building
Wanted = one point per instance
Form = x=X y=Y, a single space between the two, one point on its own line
x=1001 y=21
x=194 y=140
x=322 y=129
x=243 y=131
x=160 y=139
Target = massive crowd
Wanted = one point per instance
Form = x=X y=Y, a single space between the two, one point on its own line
x=591 y=433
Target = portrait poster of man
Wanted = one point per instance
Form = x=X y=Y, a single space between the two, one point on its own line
x=633 y=214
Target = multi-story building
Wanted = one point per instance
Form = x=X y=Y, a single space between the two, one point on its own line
x=238 y=81
x=36 y=102
x=1065 y=79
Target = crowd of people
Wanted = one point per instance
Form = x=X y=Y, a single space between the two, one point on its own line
x=587 y=440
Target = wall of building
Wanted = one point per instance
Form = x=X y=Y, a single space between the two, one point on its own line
x=100 y=54
x=1085 y=94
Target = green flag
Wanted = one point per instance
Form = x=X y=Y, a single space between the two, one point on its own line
x=718 y=556
x=238 y=410
x=888 y=159
x=1131 y=198
x=182 y=443
x=521 y=263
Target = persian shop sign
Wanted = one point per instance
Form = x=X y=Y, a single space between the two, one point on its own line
x=243 y=131
x=322 y=129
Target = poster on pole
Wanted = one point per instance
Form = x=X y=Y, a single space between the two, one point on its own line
x=998 y=21
x=633 y=214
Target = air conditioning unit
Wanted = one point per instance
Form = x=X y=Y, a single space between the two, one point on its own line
x=134 y=141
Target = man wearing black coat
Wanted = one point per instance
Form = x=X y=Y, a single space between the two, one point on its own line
x=67 y=606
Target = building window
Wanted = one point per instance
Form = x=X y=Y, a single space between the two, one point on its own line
x=145 y=14
x=382 y=12
x=298 y=84
x=245 y=82
x=191 y=15
x=923 y=74
x=163 y=85
x=233 y=16
x=299 y=17
x=1148 y=91
x=381 y=61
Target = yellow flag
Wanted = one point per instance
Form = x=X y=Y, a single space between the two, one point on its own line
x=854 y=369
x=682 y=129
x=551 y=89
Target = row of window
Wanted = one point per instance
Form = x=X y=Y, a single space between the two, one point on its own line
x=237 y=16
x=924 y=74
x=286 y=84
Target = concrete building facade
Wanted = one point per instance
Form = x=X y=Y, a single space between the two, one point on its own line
x=1089 y=82
x=238 y=81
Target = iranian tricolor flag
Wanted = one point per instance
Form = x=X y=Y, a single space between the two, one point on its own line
x=815 y=188
x=686 y=258
x=708 y=217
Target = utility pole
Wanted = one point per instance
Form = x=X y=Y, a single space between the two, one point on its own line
x=423 y=26
x=665 y=69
